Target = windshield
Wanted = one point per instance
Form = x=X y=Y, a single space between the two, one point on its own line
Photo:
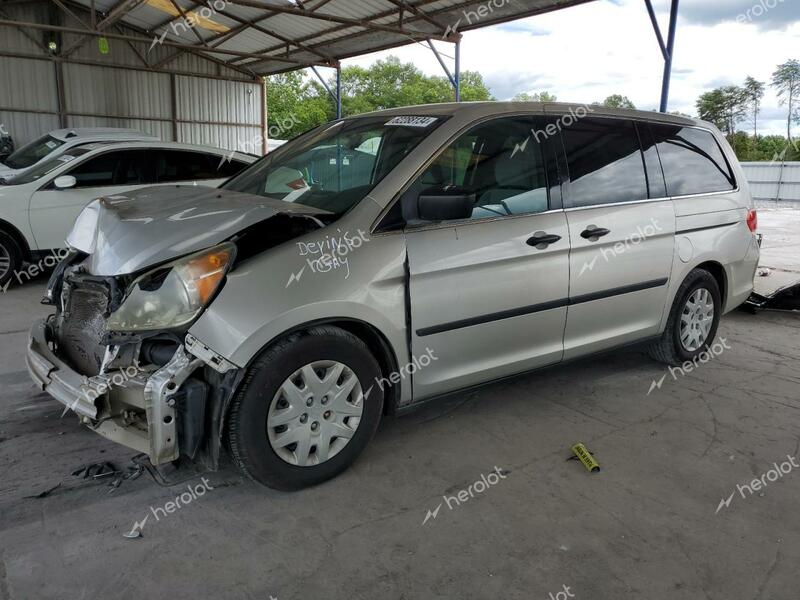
x=32 y=153
x=335 y=166
x=46 y=167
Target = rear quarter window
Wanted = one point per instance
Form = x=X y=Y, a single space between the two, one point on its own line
x=692 y=160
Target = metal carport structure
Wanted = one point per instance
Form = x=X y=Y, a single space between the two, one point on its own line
x=245 y=40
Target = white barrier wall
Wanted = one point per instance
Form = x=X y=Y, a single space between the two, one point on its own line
x=773 y=181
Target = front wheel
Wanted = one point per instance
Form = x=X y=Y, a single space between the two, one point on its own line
x=693 y=320
x=10 y=259
x=308 y=407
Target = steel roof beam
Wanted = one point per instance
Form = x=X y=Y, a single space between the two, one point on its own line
x=172 y=18
x=433 y=14
x=33 y=40
x=254 y=24
x=133 y=48
x=182 y=13
x=143 y=40
x=214 y=41
x=363 y=23
x=403 y=5
x=117 y=12
x=381 y=15
x=150 y=69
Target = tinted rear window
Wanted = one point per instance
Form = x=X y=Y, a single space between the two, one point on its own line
x=228 y=168
x=605 y=162
x=185 y=165
x=692 y=160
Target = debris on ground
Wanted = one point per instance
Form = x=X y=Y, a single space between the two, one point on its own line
x=132 y=534
x=96 y=470
x=170 y=474
x=786 y=298
x=586 y=457
x=99 y=472
x=45 y=493
x=764 y=272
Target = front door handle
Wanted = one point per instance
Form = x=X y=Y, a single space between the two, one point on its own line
x=542 y=240
x=593 y=233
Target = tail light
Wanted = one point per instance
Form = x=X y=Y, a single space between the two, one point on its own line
x=752 y=220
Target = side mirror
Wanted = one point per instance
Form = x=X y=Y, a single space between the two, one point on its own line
x=65 y=182
x=445 y=204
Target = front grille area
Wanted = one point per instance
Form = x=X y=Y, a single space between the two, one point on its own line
x=80 y=328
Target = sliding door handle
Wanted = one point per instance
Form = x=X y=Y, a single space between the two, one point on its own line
x=593 y=233
x=542 y=240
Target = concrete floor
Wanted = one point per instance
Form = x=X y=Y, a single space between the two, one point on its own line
x=649 y=525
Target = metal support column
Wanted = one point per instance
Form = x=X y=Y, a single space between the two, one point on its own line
x=173 y=87
x=668 y=49
x=55 y=50
x=264 y=116
x=455 y=80
x=337 y=95
x=339 y=92
x=673 y=22
x=61 y=96
x=458 y=70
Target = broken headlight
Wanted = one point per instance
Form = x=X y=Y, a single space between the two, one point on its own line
x=175 y=294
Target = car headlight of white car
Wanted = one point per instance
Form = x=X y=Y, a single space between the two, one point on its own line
x=174 y=294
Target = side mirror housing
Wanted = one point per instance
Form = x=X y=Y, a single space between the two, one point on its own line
x=445 y=204
x=65 y=182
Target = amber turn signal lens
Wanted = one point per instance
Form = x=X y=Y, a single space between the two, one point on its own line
x=207 y=271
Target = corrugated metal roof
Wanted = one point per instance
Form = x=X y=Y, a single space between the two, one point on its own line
x=282 y=36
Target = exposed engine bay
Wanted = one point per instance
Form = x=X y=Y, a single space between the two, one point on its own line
x=158 y=390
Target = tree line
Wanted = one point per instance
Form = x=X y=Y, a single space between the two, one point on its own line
x=303 y=102
x=298 y=103
x=730 y=106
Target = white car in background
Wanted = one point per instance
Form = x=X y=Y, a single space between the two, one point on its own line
x=39 y=206
x=274 y=144
x=60 y=140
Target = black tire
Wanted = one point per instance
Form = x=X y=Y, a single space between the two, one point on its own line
x=9 y=248
x=669 y=349
x=247 y=422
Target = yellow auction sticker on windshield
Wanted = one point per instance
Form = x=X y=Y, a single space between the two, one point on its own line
x=412 y=122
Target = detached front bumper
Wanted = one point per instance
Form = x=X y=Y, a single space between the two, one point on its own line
x=51 y=375
x=108 y=403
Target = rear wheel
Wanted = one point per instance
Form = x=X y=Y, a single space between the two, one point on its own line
x=10 y=258
x=307 y=409
x=693 y=320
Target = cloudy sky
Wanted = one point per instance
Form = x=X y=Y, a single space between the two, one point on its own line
x=589 y=52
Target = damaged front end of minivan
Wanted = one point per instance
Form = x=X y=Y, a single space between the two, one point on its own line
x=141 y=270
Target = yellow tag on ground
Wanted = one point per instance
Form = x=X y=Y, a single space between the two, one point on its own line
x=587 y=459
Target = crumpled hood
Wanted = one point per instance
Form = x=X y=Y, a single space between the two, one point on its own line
x=125 y=233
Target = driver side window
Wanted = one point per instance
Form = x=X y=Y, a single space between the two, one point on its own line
x=500 y=162
x=100 y=171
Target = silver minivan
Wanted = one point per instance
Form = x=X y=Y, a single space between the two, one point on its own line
x=380 y=261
